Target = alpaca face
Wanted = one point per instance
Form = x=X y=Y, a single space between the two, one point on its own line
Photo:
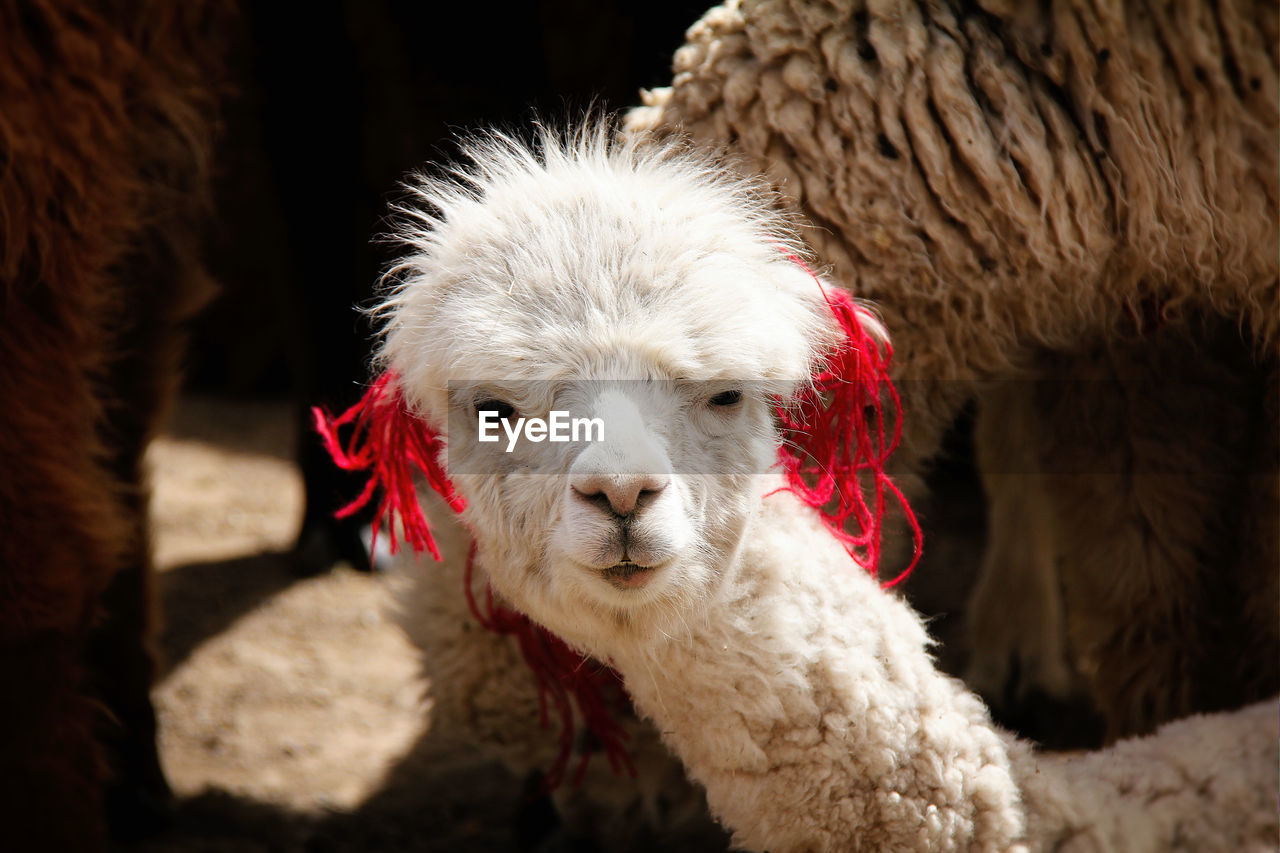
x=643 y=291
x=635 y=526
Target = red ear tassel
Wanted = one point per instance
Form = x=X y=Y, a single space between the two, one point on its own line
x=836 y=434
x=388 y=441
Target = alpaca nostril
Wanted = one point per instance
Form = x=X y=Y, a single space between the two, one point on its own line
x=597 y=499
x=620 y=495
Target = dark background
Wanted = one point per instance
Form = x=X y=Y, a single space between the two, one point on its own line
x=330 y=105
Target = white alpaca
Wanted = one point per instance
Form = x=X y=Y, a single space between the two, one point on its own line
x=646 y=286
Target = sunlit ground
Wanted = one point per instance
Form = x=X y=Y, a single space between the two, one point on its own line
x=290 y=710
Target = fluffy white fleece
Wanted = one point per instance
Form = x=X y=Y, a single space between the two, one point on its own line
x=645 y=282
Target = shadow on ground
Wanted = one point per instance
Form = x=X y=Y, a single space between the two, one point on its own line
x=428 y=803
x=203 y=599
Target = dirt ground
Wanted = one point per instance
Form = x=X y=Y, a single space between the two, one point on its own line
x=291 y=714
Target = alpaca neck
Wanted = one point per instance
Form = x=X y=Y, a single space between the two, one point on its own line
x=806 y=703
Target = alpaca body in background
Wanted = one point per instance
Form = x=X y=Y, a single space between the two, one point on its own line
x=1067 y=217
x=107 y=122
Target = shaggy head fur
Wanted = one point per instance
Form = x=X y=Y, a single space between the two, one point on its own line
x=643 y=285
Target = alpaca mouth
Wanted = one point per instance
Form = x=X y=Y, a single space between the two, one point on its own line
x=628 y=575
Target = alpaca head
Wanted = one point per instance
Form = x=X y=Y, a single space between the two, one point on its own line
x=648 y=294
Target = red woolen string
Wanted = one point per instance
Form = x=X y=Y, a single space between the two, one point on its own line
x=388 y=441
x=836 y=437
x=561 y=673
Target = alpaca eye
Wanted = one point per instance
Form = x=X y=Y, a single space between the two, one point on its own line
x=505 y=410
x=725 y=399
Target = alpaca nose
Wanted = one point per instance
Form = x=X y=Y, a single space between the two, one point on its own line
x=620 y=494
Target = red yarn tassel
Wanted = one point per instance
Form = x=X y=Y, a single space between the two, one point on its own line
x=836 y=434
x=388 y=441
x=561 y=673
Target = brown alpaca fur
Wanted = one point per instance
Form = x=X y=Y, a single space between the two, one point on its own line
x=1041 y=192
x=105 y=122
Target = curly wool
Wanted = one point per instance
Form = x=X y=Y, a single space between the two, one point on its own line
x=1075 y=191
x=1005 y=175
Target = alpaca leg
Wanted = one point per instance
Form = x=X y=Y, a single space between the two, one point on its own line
x=122 y=667
x=1155 y=578
x=161 y=288
x=59 y=532
x=1015 y=614
x=50 y=799
x=1257 y=559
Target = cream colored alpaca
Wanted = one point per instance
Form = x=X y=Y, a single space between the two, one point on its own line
x=646 y=286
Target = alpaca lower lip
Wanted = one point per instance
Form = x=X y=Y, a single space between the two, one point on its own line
x=628 y=575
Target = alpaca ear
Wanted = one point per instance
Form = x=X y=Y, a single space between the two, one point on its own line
x=836 y=439
x=389 y=441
